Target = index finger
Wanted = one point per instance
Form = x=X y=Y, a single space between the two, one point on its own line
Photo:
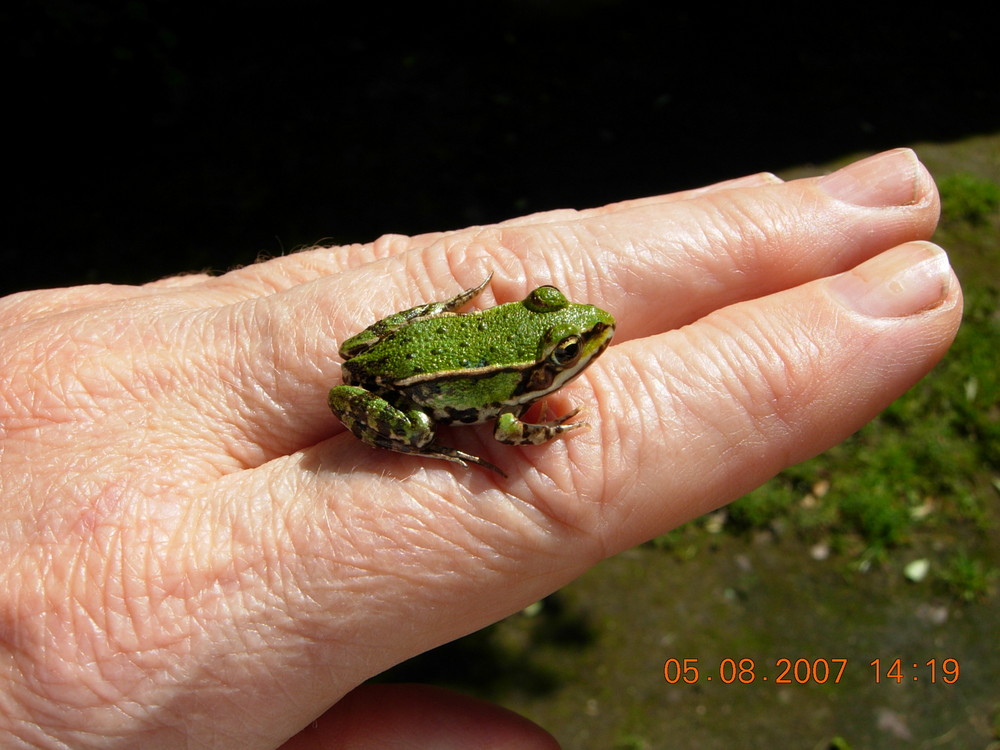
x=654 y=265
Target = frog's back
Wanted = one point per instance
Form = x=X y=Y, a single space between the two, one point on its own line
x=470 y=367
x=457 y=343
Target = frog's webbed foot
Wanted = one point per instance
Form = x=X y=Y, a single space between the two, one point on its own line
x=459 y=457
x=512 y=431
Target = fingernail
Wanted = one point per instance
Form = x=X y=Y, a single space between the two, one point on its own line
x=892 y=178
x=901 y=282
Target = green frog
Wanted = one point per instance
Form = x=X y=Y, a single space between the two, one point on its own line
x=430 y=365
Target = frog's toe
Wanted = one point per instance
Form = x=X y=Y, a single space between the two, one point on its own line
x=566 y=417
x=460 y=457
x=547 y=417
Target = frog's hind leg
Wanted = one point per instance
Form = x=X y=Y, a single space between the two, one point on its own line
x=375 y=421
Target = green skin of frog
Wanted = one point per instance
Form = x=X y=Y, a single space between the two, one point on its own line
x=430 y=365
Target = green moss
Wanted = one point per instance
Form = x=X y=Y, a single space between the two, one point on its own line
x=966 y=197
x=967 y=577
x=931 y=462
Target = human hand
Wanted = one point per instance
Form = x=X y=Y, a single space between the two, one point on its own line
x=197 y=553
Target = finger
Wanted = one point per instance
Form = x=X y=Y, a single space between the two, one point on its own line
x=305 y=265
x=560 y=215
x=403 y=717
x=23 y=307
x=761 y=385
x=259 y=381
x=230 y=398
x=659 y=267
x=654 y=266
x=26 y=306
x=752 y=180
x=698 y=254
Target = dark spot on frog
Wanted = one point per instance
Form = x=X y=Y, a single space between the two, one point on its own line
x=536 y=379
x=466 y=416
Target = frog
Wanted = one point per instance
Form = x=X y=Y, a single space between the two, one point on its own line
x=431 y=365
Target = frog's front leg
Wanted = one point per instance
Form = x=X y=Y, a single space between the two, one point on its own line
x=512 y=431
x=375 y=421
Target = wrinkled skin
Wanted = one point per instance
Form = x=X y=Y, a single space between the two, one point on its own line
x=196 y=554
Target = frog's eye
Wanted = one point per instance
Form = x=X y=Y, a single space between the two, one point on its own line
x=546 y=299
x=567 y=351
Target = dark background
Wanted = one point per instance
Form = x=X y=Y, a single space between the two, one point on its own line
x=150 y=138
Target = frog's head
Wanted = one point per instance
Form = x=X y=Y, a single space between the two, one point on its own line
x=573 y=337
